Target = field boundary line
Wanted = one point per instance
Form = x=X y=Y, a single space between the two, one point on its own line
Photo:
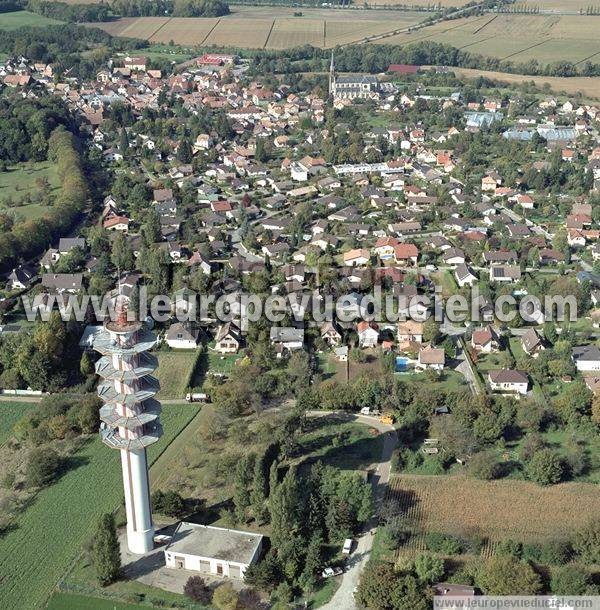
x=587 y=58
x=209 y=33
x=269 y=34
x=485 y=24
x=160 y=27
x=537 y=44
x=478 y=42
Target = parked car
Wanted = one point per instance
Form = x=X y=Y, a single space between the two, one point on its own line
x=329 y=572
x=347 y=548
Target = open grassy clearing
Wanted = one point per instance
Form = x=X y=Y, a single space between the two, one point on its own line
x=454 y=505
x=201 y=468
x=35 y=555
x=174 y=370
x=20 y=180
x=18 y=19
x=238 y=32
x=10 y=414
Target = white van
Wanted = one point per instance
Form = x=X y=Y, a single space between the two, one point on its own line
x=347 y=548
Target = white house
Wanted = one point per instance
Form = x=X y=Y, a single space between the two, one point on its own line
x=286 y=337
x=586 y=357
x=182 y=336
x=368 y=334
x=508 y=381
x=212 y=550
x=464 y=276
x=228 y=339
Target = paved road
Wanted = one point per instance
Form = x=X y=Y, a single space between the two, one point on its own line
x=344 y=598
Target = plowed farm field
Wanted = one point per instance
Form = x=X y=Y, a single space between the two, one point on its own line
x=495 y=510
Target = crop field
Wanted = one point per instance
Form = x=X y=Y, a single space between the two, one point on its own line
x=264 y=27
x=588 y=86
x=52 y=530
x=184 y=31
x=174 y=370
x=18 y=19
x=290 y=33
x=454 y=505
x=415 y=3
x=560 y=6
x=10 y=414
x=518 y=38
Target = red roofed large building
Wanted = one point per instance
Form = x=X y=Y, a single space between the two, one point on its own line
x=404 y=68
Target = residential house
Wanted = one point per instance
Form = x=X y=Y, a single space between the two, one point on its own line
x=485 y=340
x=182 y=336
x=586 y=358
x=410 y=331
x=228 y=339
x=356 y=257
x=431 y=358
x=508 y=381
x=368 y=334
x=532 y=343
x=330 y=334
x=286 y=338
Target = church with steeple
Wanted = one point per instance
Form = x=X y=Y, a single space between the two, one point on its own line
x=360 y=86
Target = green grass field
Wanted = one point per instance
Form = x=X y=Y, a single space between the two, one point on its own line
x=53 y=529
x=10 y=413
x=174 y=370
x=20 y=180
x=64 y=601
x=18 y=19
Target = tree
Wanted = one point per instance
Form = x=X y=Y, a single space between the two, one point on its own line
x=504 y=575
x=545 y=467
x=42 y=467
x=586 y=542
x=312 y=563
x=571 y=580
x=195 y=588
x=428 y=568
x=184 y=152
x=225 y=597
x=431 y=331
x=122 y=255
x=86 y=366
x=169 y=503
x=123 y=142
x=258 y=495
x=106 y=554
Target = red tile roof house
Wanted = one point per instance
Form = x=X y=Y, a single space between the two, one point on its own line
x=432 y=358
x=117 y=223
x=484 y=340
x=406 y=254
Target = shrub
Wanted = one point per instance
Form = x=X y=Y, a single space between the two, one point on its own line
x=484 y=466
x=510 y=547
x=42 y=467
x=441 y=543
x=571 y=580
x=545 y=467
x=195 y=588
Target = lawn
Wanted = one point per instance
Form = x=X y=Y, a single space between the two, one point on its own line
x=20 y=180
x=10 y=413
x=464 y=507
x=64 y=601
x=173 y=53
x=174 y=371
x=53 y=529
x=18 y=19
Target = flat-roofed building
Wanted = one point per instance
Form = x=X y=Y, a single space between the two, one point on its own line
x=213 y=550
